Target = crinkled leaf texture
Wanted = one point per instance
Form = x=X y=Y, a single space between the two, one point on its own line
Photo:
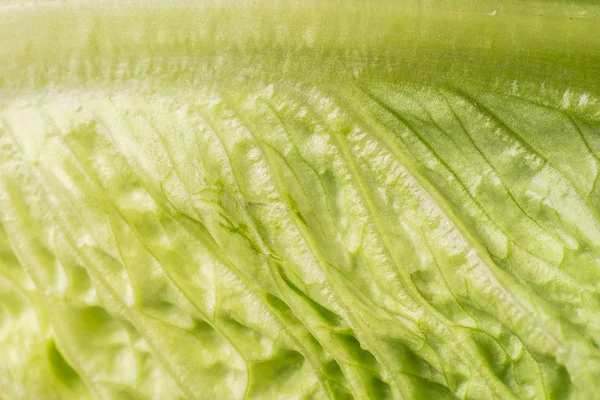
x=281 y=200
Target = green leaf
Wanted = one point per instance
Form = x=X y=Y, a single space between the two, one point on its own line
x=283 y=200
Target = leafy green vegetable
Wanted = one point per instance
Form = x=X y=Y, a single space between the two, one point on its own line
x=285 y=200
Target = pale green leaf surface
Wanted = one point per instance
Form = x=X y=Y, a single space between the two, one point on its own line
x=280 y=200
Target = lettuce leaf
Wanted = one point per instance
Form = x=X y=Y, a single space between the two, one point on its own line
x=284 y=200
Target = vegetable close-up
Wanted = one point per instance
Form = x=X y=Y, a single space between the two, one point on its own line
x=320 y=199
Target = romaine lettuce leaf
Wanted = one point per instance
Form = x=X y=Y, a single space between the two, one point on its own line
x=284 y=200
